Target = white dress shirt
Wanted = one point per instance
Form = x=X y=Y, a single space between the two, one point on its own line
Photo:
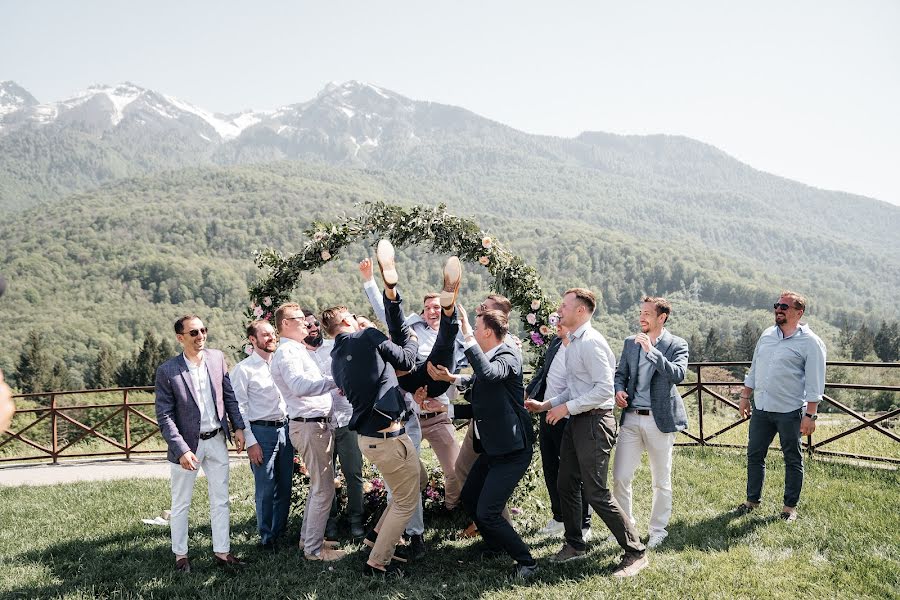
x=209 y=416
x=256 y=393
x=590 y=366
x=341 y=409
x=304 y=389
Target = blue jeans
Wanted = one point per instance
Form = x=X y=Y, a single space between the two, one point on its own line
x=273 y=480
x=763 y=427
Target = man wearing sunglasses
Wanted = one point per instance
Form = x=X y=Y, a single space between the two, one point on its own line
x=194 y=403
x=346 y=445
x=307 y=394
x=787 y=380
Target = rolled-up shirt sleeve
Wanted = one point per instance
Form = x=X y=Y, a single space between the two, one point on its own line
x=815 y=370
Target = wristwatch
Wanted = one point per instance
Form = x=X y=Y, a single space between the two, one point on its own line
x=813 y=417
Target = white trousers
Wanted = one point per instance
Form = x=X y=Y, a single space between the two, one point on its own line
x=213 y=457
x=637 y=434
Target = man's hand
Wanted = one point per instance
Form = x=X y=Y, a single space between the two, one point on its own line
x=7 y=408
x=807 y=426
x=536 y=406
x=440 y=373
x=189 y=461
x=239 y=440
x=557 y=413
x=432 y=405
x=254 y=453
x=744 y=407
x=463 y=317
x=622 y=399
x=365 y=269
x=643 y=340
x=420 y=395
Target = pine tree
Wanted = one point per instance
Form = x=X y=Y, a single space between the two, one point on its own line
x=103 y=373
x=746 y=343
x=887 y=342
x=33 y=365
x=862 y=345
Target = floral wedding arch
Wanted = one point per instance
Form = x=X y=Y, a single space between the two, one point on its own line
x=431 y=226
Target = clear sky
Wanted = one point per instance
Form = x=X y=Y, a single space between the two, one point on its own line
x=805 y=89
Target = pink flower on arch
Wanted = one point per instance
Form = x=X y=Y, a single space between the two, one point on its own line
x=267 y=301
x=326 y=254
x=484 y=260
x=544 y=330
x=531 y=318
x=535 y=304
x=248 y=349
x=258 y=312
x=487 y=242
x=536 y=339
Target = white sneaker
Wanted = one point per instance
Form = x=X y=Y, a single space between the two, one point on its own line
x=587 y=534
x=656 y=539
x=553 y=527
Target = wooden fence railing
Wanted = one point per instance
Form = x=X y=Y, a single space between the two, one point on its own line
x=28 y=436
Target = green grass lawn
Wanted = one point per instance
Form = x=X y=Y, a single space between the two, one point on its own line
x=86 y=540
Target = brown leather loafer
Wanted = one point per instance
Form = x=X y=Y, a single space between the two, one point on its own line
x=183 y=565
x=230 y=562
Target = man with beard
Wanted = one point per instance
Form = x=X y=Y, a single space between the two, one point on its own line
x=268 y=445
x=308 y=397
x=346 y=445
x=194 y=404
x=653 y=362
x=787 y=375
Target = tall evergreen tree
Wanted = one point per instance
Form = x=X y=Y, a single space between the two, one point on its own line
x=887 y=342
x=746 y=343
x=33 y=365
x=103 y=372
x=862 y=345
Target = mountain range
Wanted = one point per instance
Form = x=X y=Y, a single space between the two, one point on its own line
x=92 y=189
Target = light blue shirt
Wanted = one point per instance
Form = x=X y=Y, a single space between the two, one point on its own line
x=787 y=371
x=590 y=365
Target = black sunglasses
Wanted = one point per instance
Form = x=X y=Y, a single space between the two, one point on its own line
x=315 y=323
x=782 y=306
x=196 y=332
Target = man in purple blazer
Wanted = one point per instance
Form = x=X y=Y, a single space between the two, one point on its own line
x=193 y=397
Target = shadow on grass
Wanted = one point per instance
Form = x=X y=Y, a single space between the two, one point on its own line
x=716 y=533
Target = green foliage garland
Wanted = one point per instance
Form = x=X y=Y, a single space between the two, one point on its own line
x=429 y=225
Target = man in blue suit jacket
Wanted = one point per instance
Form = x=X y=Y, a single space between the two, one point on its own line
x=503 y=434
x=651 y=365
x=194 y=402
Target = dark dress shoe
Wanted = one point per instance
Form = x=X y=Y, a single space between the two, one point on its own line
x=269 y=546
x=391 y=570
x=416 y=549
x=230 y=561
x=357 y=532
x=183 y=565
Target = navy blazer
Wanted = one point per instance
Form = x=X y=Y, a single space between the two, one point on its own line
x=177 y=408
x=666 y=404
x=537 y=387
x=497 y=402
x=362 y=364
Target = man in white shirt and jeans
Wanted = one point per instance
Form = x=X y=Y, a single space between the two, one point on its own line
x=268 y=446
x=308 y=397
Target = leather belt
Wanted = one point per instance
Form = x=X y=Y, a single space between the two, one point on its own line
x=210 y=434
x=597 y=411
x=383 y=435
x=428 y=415
x=640 y=411
x=310 y=419
x=278 y=423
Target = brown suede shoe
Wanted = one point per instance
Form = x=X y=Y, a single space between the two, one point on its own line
x=183 y=565
x=326 y=554
x=452 y=278
x=567 y=553
x=631 y=565
x=384 y=253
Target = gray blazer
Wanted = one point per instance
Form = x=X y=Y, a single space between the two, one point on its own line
x=177 y=411
x=666 y=404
